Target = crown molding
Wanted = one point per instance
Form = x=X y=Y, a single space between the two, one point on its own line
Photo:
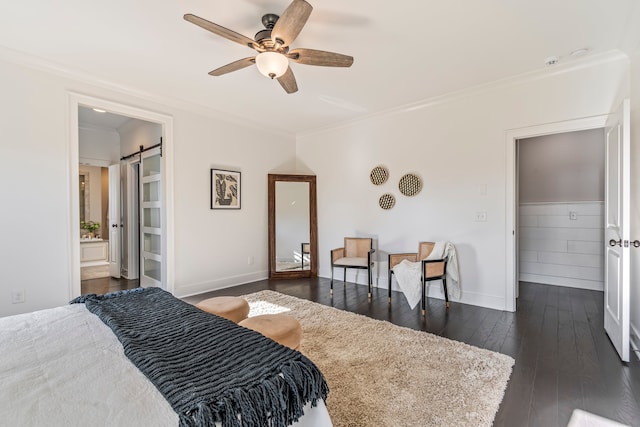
x=41 y=64
x=528 y=77
x=47 y=66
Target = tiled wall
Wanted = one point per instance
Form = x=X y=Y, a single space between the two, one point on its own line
x=562 y=244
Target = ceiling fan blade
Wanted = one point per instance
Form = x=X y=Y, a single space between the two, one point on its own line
x=291 y=22
x=234 y=66
x=320 y=57
x=221 y=31
x=288 y=81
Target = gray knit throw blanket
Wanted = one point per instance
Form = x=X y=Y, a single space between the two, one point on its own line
x=208 y=368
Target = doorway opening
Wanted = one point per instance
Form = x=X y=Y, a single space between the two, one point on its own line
x=512 y=201
x=560 y=234
x=113 y=207
x=132 y=148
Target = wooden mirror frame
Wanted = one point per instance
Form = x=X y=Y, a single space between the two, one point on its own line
x=313 y=227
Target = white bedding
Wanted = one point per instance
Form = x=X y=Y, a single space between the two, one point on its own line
x=64 y=367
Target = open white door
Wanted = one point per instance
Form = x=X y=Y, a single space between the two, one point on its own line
x=115 y=220
x=617 y=228
x=151 y=218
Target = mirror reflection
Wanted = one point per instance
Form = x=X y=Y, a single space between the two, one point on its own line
x=292 y=226
x=84 y=196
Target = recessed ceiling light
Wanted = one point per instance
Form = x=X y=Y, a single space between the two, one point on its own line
x=580 y=52
x=552 y=60
x=98 y=110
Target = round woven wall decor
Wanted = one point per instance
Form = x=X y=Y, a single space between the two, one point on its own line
x=379 y=175
x=410 y=184
x=387 y=201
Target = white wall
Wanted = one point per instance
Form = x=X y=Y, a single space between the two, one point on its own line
x=33 y=123
x=457 y=145
x=211 y=247
x=635 y=199
x=557 y=248
x=562 y=167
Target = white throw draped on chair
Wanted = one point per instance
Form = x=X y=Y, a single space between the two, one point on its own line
x=408 y=276
x=408 y=273
x=443 y=250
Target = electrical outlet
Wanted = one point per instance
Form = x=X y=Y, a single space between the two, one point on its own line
x=481 y=216
x=17 y=296
x=573 y=216
x=250 y=260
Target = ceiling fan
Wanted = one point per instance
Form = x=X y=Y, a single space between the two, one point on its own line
x=272 y=45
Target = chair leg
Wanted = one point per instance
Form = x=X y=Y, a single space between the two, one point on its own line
x=390 y=273
x=446 y=293
x=369 y=279
x=344 y=276
x=331 y=279
x=424 y=297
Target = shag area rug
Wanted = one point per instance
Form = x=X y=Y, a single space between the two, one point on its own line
x=380 y=374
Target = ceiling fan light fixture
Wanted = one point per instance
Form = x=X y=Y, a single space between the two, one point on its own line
x=272 y=64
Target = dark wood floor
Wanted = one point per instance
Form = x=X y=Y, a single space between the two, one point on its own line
x=104 y=285
x=564 y=360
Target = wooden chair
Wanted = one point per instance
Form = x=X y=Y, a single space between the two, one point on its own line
x=433 y=269
x=357 y=252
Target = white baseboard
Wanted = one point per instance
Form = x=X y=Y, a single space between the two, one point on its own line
x=434 y=291
x=214 y=285
x=562 y=281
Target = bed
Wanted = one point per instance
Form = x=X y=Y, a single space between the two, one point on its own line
x=64 y=366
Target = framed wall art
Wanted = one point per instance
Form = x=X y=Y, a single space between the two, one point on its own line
x=225 y=189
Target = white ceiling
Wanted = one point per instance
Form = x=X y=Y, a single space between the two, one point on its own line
x=405 y=51
x=106 y=121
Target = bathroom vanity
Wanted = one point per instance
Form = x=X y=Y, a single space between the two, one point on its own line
x=94 y=252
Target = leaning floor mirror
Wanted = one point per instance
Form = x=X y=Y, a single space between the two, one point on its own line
x=293 y=226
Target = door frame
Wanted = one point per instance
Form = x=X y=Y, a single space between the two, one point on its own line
x=511 y=229
x=75 y=100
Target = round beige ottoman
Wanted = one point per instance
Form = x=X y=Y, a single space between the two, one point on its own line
x=281 y=328
x=232 y=308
